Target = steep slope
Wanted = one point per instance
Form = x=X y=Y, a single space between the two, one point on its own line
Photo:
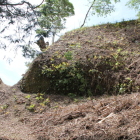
x=93 y=60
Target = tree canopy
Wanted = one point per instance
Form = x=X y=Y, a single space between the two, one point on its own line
x=105 y=7
x=27 y=18
x=20 y=18
x=53 y=16
x=135 y=4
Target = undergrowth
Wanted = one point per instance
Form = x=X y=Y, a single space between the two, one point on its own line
x=97 y=75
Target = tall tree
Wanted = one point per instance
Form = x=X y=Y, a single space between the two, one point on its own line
x=105 y=7
x=53 y=16
x=23 y=18
x=20 y=18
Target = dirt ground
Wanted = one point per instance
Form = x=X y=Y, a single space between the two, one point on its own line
x=37 y=116
x=66 y=118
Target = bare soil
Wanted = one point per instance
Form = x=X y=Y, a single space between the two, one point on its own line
x=65 y=118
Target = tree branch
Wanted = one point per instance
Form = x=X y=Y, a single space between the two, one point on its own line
x=39 y=4
x=16 y=4
x=87 y=14
x=8 y=8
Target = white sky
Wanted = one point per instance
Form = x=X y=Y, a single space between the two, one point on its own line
x=12 y=73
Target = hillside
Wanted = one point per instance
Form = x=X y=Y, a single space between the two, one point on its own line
x=84 y=87
x=93 y=60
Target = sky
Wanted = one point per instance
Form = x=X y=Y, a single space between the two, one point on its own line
x=12 y=72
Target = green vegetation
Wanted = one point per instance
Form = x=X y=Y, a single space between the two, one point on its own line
x=28 y=97
x=31 y=107
x=53 y=17
x=74 y=78
x=69 y=55
x=46 y=101
x=39 y=96
x=4 y=107
x=104 y=8
x=66 y=77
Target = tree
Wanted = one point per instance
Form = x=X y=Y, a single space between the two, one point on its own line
x=135 y=4
x=23 y=15
x=53 y=17
x=27 y=18
x=105 y=7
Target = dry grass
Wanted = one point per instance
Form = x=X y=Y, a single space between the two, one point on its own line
x=95 y=118
x=116 y=117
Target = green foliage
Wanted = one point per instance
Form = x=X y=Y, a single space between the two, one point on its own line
x=4 y=107
x=125 y=86
x=40 y=96
x=66 y=77
x=69 y=55
x=20 y=19
x=45 y=102
x=31 y=107
x=135 y=4
x=28 y=97
x=42 y=32
x=103 y=8
x=72 y=95
x=53 y=14
x=75 y=45
x=15 y=97
x=87 y=78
